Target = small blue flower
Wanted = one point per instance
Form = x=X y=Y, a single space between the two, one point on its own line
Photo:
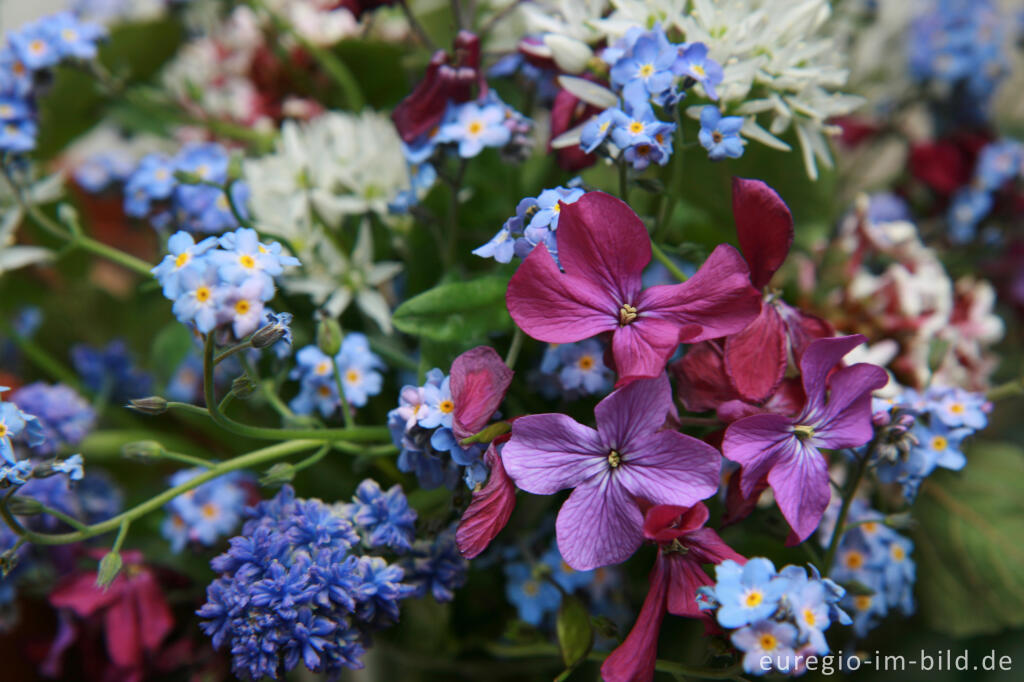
x=598 y=128
x=440 y=408
x=34 y=45
x=967 y=209
x=63 y=417
x=73 y=38
x=747 y=593
x=182 y=251
x=474 y=126
x=548 y=206
x=533 y=597
x=16 y=473
x=153 y=180
x=694 y=62
x=18 y=136
x=12 y=423
x=766 y=641
x=999 y=163
x=720 y=135
x=957 y=407
x=436 y=567
x=647 y=71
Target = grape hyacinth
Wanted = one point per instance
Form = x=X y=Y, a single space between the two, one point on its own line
x=293 y=587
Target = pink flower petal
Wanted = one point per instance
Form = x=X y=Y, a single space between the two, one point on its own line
x=845 y=421
x=764 y=226
x=758 y=443
x=479 y=380
x=633 y=412
x=599 y=525
x=685 y=576
x=81 y=594
x=664 y=523
x=642 y=348
x=123 y=630
x=153 y=611
x=634 y=659
x=756 y=357
x=669 y=467
x=801 y=488
x=717 y=301
x=708 y=548
x=555 y=307
x=602 y=240
x=701 y=381
x=489 y=510
x=802 y=328
x=551 y=452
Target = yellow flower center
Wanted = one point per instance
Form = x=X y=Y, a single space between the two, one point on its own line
x=870 y=527
x=181 y=260
x=809 y=617
x=768 y=641
x=323 y=368
x=699 y=70
x=203 y=294
x=854 y=560
x=803 y=432
x=446 y=406
x=352 y=376
x=614 y=459
x=37 y=46
x=753 y=598
x=939 y=443
x=6 y=110
x=956 y=408
x=210 y=510
x=636 y=127
x=898 y=553
x=247 y=261
x=3 y=430
x=69 y=34
x=203 y=170
x=862 y=602
x=647 y=70
x=531 y=588
x=586 y=363
x=475 y=128
x=627 y=314
x=161 y=174
x=242 y=307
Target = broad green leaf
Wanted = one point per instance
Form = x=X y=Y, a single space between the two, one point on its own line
x=970 y=560
x=575 y=635
x=170 y=347
x=456 y=311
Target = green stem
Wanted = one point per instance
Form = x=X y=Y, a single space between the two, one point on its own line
x=1008 y=390
x=125 y=260
x=346 y=413
x=514 y=348
x=355 y=434
x=623 y=180
x=58 y=514
x=188 y=459
x=44 y=361
x=454 y=185
x=225 y=354
x=312 y=459
x=844 y=510
x=667 y=262
x=122 y=533
x=249 y=460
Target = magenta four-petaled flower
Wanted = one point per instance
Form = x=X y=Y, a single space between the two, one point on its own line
x=603 y=248
x=625 y=465
x=786 y=450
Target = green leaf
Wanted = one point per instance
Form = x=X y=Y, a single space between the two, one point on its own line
x=170 y=347
x=456 y=311
x=968 y=551
x=575 y=635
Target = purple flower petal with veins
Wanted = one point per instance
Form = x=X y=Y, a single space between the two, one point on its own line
x=624 y=464
x=837 y=414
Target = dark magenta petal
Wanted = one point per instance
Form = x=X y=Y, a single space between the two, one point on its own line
x=758 y=443
x=663 y=523
x=706 y=546
x=81 y=594
x=701 y=382
x=717 y=301
x=489 y=510
x=479 y=379
x=756 y=358
x=601 y=240
x=123 y=631
x=567 y=112
x=153 y=611
x=634 y=659
x=764 y=226
x=669 y=467
x=685 y=576
x=642 y=348
x=739 y=506
x=845 y=421
x=802 y=328
x=555 y=307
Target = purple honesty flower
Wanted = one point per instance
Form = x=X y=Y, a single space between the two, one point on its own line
x=625 y=460
x=785 y=450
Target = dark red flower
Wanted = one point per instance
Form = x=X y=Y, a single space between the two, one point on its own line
x=684 y=546
x=449 y=78
x=567 y=112
x=490 y=508
x=133 y=610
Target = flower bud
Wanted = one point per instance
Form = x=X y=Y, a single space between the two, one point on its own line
x=243 y=387
x=187 y=177
x=278 y=475
x=24 y=506
x=8 y=562
x=143 y=449
x=273 y=331
x=328 y=336
x=154 y=404
x=110 y=566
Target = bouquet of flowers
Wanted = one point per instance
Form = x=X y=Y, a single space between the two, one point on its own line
x=544 y=339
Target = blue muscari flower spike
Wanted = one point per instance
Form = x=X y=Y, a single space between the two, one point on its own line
x=720 y=135
x=385 y=518
x=291 y=590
